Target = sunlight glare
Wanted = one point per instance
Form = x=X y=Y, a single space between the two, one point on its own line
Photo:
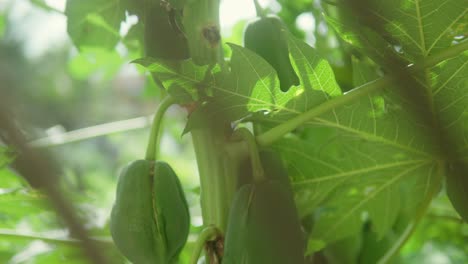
x=232 y=11
x=57 y=4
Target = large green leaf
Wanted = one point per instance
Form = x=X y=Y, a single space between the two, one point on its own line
x=18 y=205
x=354 y=162
x=253 y=85
x=357 y=161
x=416 y=29
x=358 y=157
x=423 y=27
x=183 y=80
x=450 y=92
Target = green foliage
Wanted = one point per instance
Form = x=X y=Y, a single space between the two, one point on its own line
x=413 y=26
x=2 y=25
x=94 y=59
x=362 y=168
x=95 y=23
x=181 y=81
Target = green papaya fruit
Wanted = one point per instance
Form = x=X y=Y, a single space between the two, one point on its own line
x=263 y=226
x=150 y=220
x=163 y=36
x=266 y=36
x=272 y=165
x=172 y=205
x=373 y=249
x=345 y=250
x=457 y=188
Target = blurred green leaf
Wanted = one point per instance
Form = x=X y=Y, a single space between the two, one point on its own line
x=411 y=28
x=94 y=22
x=95 y=60
x=2 y=25
x=181 y=80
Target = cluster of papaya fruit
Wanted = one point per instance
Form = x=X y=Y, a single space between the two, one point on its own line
x=150 y=218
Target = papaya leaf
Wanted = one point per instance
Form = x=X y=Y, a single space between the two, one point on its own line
x=253 y=85
x=415 y=29
x=355 y=162
x=183 y=80
x=19 y=204
x=449 y=81
x=6 y=156
x=358 y=169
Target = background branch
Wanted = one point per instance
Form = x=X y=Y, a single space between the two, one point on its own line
x=42 y=173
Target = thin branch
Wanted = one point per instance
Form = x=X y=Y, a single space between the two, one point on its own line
x=92 y=132
x=42 y=174
x=279 y=131
x=12 y=234
x=153 y=144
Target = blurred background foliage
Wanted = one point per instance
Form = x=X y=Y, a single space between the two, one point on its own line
x=51 y=88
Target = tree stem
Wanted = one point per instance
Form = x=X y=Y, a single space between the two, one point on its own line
x=208 y=143
x=153 y=144
x=249 y=138
x=207 y=234
x=279 y=131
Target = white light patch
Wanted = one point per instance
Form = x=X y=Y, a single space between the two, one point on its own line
x=232 y=11
x=38 y=31
x=272 y=5
x=57 y=4
x=306 y=22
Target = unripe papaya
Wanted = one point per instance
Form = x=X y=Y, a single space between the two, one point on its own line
x=346 y=250
x=164 y=38
x=457 y=188
x=150 y=219
x=170 y=201
x=266 y=37
x=264 y=225
x=272 y=165
x=373 y=249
